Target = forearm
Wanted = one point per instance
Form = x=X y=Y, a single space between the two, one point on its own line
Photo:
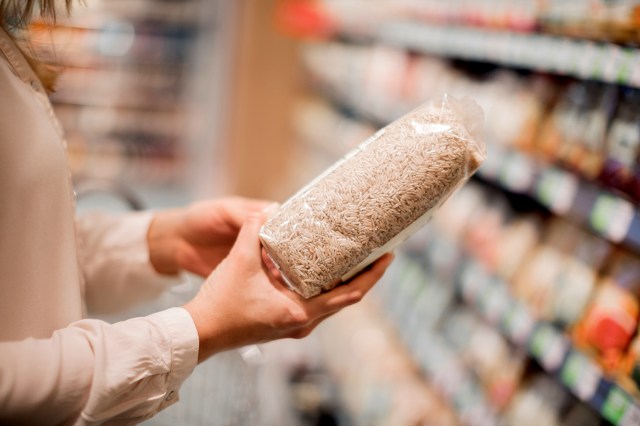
x=39 y=385
x=92 y=371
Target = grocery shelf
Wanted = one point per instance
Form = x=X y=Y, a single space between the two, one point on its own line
x=584 y=59
x=372 y=71
x=100 y=121
x=124 y=89
x=80 y=101
x=459 y=386
x=151 y=60
x=549 y=346
x=566 y=194
x=165 y=11
x=112 y=40
x=107 y=65
x=453 y=377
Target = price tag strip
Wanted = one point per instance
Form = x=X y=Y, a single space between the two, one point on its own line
x=634 y=77
x=549 y=346
x=564 y=56
x=473 y=281
x=631 y=416
x=557 y=190
x=616 y=405
x=518 y=323
x=518 y=173
x=611 y=216
x=494 y=301
x=581 y=375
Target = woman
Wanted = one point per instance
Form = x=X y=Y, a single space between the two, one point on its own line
x=58 y=368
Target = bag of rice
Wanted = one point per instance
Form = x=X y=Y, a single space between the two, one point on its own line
x=375 y=197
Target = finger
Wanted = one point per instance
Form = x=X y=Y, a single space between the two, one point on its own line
x=248 y=243
x=351 y=292
x=238 y=209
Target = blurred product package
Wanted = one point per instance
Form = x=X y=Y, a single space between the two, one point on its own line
x=611 y=320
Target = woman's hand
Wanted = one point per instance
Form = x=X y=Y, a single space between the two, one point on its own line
x=198 y=237
x=243 y=303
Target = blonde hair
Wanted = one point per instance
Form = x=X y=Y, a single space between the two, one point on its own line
x=16 y=15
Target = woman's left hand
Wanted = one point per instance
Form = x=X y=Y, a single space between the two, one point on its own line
x=197 y=238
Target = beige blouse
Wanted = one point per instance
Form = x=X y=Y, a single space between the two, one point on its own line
x=55 y=366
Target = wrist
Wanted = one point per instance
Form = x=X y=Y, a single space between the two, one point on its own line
x=210 y=340
x=162 y=241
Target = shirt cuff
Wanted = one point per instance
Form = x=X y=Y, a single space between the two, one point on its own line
x=185 y=345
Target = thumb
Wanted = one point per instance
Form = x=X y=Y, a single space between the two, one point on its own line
x=248 y=244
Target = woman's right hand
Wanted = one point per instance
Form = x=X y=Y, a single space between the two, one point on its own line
x=243 y=303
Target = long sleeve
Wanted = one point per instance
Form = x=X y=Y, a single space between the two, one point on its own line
x=114 y=260
x=96 y=373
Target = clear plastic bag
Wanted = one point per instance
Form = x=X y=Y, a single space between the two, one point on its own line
x=376 y=196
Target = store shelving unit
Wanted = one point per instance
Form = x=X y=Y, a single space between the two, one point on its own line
x=438 y=359
x=124 y=93
x=605 y=212
x=358 y=87
x=491 y=297
x=566 y=56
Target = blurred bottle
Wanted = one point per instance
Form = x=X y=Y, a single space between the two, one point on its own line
x=575 y=131
x=535 y=283
x=621 y=168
